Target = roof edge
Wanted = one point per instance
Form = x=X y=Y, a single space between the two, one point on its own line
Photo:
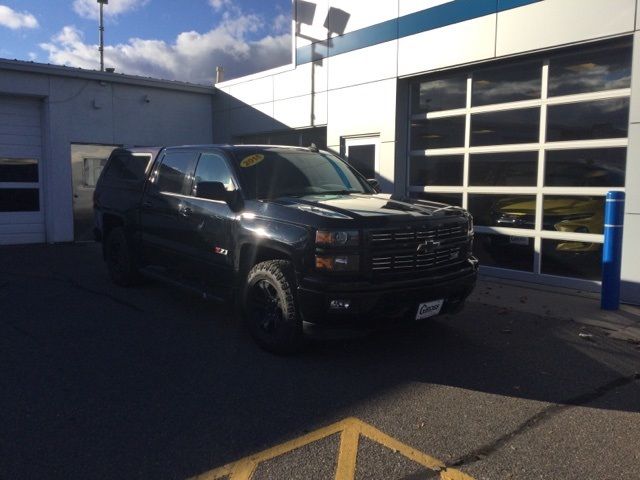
x=64 y=71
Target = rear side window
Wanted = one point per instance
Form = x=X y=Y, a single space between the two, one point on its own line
x=172 y=172
x=127 y=166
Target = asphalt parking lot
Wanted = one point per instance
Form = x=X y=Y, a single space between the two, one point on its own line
x=102 y=382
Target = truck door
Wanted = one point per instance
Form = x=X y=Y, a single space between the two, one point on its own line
x=162 y=228
x=209 y=224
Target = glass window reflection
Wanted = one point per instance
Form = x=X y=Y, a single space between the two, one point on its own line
x=504 y=169
x=504 y=251
x=439 y=94
x=568 y=258
x=605 y=67
x=596 y=167
x=438 y=133
x=588 y=120
x=507 y=83
x=574 y=213
x=444 y=170
x=506 y=127
x=513 y=211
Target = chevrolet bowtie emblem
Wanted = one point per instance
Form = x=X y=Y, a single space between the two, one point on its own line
x=428 y=246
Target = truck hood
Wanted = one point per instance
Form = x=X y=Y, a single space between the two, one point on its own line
x=366 y=206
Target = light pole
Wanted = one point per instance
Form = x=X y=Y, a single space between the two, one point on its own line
x=101 y=48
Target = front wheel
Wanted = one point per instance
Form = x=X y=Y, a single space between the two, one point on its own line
x=270 y=309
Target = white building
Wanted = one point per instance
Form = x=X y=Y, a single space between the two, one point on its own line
x=522 y=111
x=525 y=112
x=51 y=115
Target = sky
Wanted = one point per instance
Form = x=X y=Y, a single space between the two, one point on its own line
x=169 y=39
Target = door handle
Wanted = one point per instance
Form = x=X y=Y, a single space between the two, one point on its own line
x=147 y=204
x=185 y=212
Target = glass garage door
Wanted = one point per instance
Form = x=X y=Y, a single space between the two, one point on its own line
x=530 y=147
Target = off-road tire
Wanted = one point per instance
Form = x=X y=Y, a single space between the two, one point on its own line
x=276 y=326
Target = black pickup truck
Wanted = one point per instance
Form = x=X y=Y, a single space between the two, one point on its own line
x=299 y=239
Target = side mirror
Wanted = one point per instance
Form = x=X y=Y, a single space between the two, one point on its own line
x=375 y=184
x=212 y=191
x=217 y=191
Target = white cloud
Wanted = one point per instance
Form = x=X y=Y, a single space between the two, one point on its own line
x=220 y=4
x=192 y=56
x=282 y=23
x=91 y=8
x=15 y=20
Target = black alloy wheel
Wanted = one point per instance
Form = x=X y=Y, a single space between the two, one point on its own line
x=270 y=309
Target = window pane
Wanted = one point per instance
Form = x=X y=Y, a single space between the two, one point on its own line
x=18 y=170
x=514 y=211
x=603 y=68
x=173 y=171
x=446 y=198
x=503 y=251
x=213 y=168
x=507 y=127
x=588 y=120
x=572 y=259
x=507 y=83
x=599 y=167
x=19 y=200
x=437 y=133
x=363 y=159
x=573 y=214
x=439 y=94
x=127 y=167
x=504 y=169
x=446 y=170
x=92 y=168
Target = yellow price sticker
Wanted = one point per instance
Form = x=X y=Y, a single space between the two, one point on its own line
x=251 y=160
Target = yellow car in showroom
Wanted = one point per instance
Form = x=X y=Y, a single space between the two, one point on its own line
x=579 y=214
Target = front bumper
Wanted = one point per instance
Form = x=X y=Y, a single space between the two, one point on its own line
x=375 y=305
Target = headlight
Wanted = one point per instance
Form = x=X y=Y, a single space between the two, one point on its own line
x=338 y=238
x=338 y=263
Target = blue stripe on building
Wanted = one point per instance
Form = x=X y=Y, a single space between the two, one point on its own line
x=418 y=22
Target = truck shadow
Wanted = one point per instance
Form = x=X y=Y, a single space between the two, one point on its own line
x=103 y=382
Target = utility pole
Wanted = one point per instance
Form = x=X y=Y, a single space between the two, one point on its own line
x=102 y=4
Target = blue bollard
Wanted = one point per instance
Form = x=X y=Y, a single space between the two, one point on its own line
x=612 y=251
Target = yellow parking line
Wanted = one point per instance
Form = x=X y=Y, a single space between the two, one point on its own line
x=348 y=454
x=350 y=431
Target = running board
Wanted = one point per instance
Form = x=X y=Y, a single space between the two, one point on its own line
x=156 y=273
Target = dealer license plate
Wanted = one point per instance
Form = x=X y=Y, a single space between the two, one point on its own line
x=429 y=309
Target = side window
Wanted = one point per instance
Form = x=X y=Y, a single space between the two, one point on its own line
x=121 y=167
x=213 y=168
x=171 y=175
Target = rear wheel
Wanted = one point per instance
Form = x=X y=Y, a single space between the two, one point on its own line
x=120 y=259
x=270 y=310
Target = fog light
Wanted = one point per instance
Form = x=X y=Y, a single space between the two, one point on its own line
x=340 y=304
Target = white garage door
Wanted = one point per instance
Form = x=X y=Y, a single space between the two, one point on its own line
x=21 y=201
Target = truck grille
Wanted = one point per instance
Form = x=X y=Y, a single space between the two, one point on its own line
x=397 y=250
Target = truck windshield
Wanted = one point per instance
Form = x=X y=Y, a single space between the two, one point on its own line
x=271 y=174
